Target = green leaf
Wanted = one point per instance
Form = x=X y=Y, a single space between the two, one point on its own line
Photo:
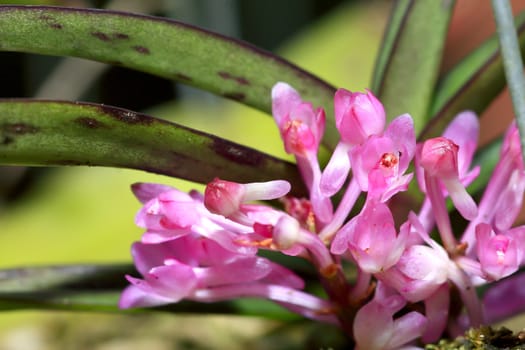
x=71 y=287
x=408 y=64
x=65 y=133
x=222 y=65
x=69 y=276
x=98 y=288
x=391 y=34
x=471 y=84
x=104 y=301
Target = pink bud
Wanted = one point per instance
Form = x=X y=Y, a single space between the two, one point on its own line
x=223 y=197
x=286 y=232
x=439 y=157
x=358 y=115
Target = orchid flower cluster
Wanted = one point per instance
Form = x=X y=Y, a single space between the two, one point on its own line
x=410 y=274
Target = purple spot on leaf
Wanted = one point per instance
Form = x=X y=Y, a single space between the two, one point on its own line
x=120 y=36
x=141 y=49
x=239 y=80
x=19 y=128
x=89 y=123
x=101 y=36
x=238 y=154
x=237 y=96
x=51 y=22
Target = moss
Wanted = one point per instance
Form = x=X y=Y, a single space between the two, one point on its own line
x=483 y=338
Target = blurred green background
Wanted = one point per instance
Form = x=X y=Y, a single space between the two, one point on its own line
x=85 y=215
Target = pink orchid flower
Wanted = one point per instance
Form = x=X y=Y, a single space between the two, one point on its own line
x=500 y=255
x=503 y=196
x=371 y=238
x=357 y=117
x=302 y=129
x=196 y=268
x=204 y=247
x=376 y=329
x=380 y=162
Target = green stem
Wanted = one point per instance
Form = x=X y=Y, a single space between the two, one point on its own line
x=512 y=61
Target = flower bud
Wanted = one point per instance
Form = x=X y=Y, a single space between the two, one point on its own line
x=439 y=158
x=358 y=116
x=223 y=197
x=286 y=232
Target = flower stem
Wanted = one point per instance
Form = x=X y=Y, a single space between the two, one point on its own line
x=512 y=62
x=435 y=195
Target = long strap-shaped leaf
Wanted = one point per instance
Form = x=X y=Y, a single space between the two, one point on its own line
x=80 y=276
x=408 y=63
x=97 y=288
x=163 y=47
x=65 y=133
x=471 y=84
x=71 y=287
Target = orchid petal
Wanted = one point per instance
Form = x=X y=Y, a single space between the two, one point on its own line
x=464 y=131
x=499 y=255
x=240 y=270
x=336 y=171
x=373 y=327
x=358 y=116
x=133 y=296
x=401 y=132
x=284 y=99
x=461 y=198
x=147 y=191
x=436 y=311
x=407 y=328
x=510 y=201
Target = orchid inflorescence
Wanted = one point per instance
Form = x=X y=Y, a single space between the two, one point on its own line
x=203 y=247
